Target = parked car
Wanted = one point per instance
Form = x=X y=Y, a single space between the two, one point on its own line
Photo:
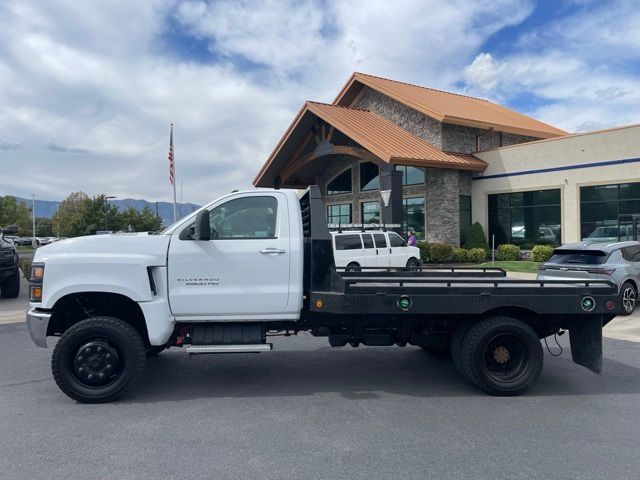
x=618 y=262
x=9 y=266
x=373 y=248
x=22 y=241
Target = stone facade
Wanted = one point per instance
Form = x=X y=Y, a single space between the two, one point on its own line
x=442 y=187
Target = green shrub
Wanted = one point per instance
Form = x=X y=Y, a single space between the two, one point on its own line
x=476 y=238
x=541 y=253
x=459 y=255
x=25 y=266
x=440 y=252
x=476 y=255
x=424 y=251
x=508 y=253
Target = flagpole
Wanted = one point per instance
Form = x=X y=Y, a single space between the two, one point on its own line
x=175 y=218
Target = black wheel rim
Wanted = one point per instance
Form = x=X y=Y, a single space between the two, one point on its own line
x=505 y=358
x=97 y=363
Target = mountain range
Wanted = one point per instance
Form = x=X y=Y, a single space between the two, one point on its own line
x=47 y=208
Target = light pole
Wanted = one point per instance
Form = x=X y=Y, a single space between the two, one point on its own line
x=33 y=220
x=106 y=211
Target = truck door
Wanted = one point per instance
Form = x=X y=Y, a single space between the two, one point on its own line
x=243 y=270
x=382 y=250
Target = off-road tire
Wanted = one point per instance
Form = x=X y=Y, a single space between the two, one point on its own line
x=10 y=287
x=476 y=356
x=456 y=344
x=125 y=341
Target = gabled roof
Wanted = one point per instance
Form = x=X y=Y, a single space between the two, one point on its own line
x=449 y=107
x=385 y=140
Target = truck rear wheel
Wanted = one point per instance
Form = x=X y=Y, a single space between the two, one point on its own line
x=456 y=344
x=10 y=287
x=501 y=356
x=98 y=359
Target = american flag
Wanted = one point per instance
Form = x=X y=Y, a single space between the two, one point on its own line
x=171 y=166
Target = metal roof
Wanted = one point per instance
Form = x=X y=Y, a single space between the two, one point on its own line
x=385 y=140
x=449 y=107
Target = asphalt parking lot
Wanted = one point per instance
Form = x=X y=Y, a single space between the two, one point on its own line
x=308 y=411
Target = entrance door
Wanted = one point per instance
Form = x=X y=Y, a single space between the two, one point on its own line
x=243 y=270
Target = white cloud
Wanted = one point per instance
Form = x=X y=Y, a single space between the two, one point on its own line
x=580 y=67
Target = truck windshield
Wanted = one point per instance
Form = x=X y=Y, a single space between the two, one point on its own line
x=580 y=257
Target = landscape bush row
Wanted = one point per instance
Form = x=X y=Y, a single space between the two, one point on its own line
x=445 y=253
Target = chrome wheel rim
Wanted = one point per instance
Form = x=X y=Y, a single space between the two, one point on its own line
x=628 y=299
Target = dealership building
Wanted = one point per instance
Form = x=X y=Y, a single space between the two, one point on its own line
x=449 y=160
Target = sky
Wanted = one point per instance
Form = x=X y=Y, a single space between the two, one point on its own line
x=88 y=89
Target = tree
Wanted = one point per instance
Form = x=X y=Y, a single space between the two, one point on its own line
x=69 y=220
x=476 y=238
x=133 y=220
x=17 y=213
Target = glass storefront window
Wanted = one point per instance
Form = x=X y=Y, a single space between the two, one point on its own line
x=370 y=212
x=369 y=176
x=600 y=210
x=339 y=213
x=414 y=216
x=341 y=184
x=525 y=218
x=411 y=175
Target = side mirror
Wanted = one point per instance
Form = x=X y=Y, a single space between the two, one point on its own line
x=9 y=230
x=199 y=229
x=202 y=228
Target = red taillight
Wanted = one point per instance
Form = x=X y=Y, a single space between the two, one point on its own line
x=603 y=271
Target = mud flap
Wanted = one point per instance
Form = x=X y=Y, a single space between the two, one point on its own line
x=586 y=343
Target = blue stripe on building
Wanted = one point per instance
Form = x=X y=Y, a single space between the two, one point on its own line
x=559 y=169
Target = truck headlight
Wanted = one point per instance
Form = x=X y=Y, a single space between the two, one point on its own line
x=37 y=271
x=35 y=282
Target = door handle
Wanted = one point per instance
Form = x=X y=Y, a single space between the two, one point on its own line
x=272 y=251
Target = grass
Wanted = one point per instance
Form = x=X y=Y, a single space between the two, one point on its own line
x=22 y=249
x=515 y=266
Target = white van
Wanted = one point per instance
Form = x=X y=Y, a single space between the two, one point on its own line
x=373 y=248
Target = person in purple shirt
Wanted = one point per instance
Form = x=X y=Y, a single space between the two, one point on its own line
x=411 y=241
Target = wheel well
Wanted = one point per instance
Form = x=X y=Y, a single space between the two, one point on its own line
x=525 y=315
x=632 y=282
x=76 y=307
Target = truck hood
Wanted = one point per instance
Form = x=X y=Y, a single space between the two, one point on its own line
x=145 y=248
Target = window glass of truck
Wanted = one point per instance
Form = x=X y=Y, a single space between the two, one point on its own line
x=348 y=242
x=381 y=240
x=247 y=217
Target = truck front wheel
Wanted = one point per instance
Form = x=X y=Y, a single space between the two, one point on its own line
x=501 y=356
x=98 y=359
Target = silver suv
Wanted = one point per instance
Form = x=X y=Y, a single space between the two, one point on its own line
x=618 y=262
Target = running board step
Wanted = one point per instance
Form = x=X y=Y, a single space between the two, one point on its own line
x=241 y=348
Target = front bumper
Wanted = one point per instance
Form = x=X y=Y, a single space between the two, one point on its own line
x=37 y=323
